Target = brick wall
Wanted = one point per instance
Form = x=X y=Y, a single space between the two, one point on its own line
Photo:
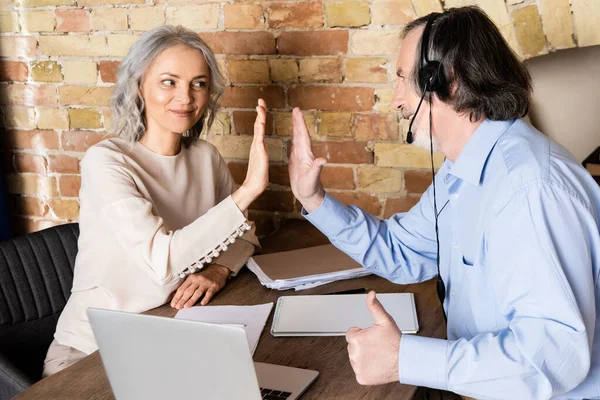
x=334 y=59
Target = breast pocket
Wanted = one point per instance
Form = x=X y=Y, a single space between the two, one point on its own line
x=479 y=295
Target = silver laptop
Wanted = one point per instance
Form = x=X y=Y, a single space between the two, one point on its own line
x=148 y=357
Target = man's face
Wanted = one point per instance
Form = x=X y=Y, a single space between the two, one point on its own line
x=406 y=98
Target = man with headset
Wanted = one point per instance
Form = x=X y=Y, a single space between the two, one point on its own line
x=510 y=226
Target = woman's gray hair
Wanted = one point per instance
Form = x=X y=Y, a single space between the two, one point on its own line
x=127 y=103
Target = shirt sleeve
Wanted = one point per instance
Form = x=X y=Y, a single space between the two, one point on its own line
x=401 y=249
x=237 y=254
x=164 y=254
x=540 y=266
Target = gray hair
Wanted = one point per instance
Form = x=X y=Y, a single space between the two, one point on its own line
x=127 y=103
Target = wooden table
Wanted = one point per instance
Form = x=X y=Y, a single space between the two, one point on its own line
x=87 y=379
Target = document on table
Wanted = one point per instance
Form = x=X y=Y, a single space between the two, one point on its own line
x=304 y=268
x=252 y=318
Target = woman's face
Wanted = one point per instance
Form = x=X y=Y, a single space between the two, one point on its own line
x=175 y=90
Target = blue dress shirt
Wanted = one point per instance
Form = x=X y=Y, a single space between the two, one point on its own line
x=520 y=255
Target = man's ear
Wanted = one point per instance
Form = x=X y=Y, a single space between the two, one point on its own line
x=453 y=88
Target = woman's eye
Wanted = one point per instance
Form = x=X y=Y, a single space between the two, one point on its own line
x=168 y=82
x=199 y=84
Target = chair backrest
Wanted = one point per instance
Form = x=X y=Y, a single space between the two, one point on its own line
x=36 y=276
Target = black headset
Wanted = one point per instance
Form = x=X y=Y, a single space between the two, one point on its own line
x=431 y=80
x=431 y=73
x=431 y=77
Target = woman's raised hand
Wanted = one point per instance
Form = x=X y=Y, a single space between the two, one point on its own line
x=257 y=176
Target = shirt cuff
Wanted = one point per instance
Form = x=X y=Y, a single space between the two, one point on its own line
x=422 y=362
x=236 y=256
x=331 y=217
x=226 y=223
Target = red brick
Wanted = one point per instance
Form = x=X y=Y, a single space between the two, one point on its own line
x=16 y=139
x=13 y=71
x=244 y=122
x=394 y=205
x=367 y=202
x=63 y=164
x=417 y=181
x=30 y=95
x=247 y=96
x=81 y=140
x=32 y=206
x=272 y=200
x=77 y=20
x=108 y=71
x=326 y=98
x=26 y=162
x=295 y=15
x=240 y=43
x=337 y=178
x=69 y=185
x=371 y=127
x=343 y=152
x=319 y=43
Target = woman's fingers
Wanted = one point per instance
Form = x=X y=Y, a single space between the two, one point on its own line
x=260 y=122
x=208 y=295
x=197 y=294
x=187 y=294
x=179 y=293
x=206 y=282
x=257 y=177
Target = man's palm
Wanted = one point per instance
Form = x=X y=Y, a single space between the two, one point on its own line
x=304 y=168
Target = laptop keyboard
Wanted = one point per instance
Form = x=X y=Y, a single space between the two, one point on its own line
x=270 y=394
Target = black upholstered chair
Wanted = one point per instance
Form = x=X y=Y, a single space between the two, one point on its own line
x=36 y=276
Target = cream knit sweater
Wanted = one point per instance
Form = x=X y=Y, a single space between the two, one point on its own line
x=147 y=221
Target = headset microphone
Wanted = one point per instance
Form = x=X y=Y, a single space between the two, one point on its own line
x=409 y=135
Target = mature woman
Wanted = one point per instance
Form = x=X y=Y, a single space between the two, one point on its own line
x=159 y=210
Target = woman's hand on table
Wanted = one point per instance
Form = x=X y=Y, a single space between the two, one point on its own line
x=207 y=282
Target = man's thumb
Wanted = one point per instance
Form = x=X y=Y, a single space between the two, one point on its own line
x=380 y=316
x=317 y=167
x=319 y=162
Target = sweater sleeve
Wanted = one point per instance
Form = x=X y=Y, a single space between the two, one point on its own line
x=166 y=255
x=237 y=253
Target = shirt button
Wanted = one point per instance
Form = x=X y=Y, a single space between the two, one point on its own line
x=456 y=246
x=452 y=293
x=455 y=196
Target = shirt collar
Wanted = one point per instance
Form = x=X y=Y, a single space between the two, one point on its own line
x=471 y=161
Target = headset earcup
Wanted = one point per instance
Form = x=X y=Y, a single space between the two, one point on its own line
x=434 y=74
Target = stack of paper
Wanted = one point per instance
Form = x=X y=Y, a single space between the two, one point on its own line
x=304 y=268
x=251 y=318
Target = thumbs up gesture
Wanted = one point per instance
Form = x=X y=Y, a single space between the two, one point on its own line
x=373 y=352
